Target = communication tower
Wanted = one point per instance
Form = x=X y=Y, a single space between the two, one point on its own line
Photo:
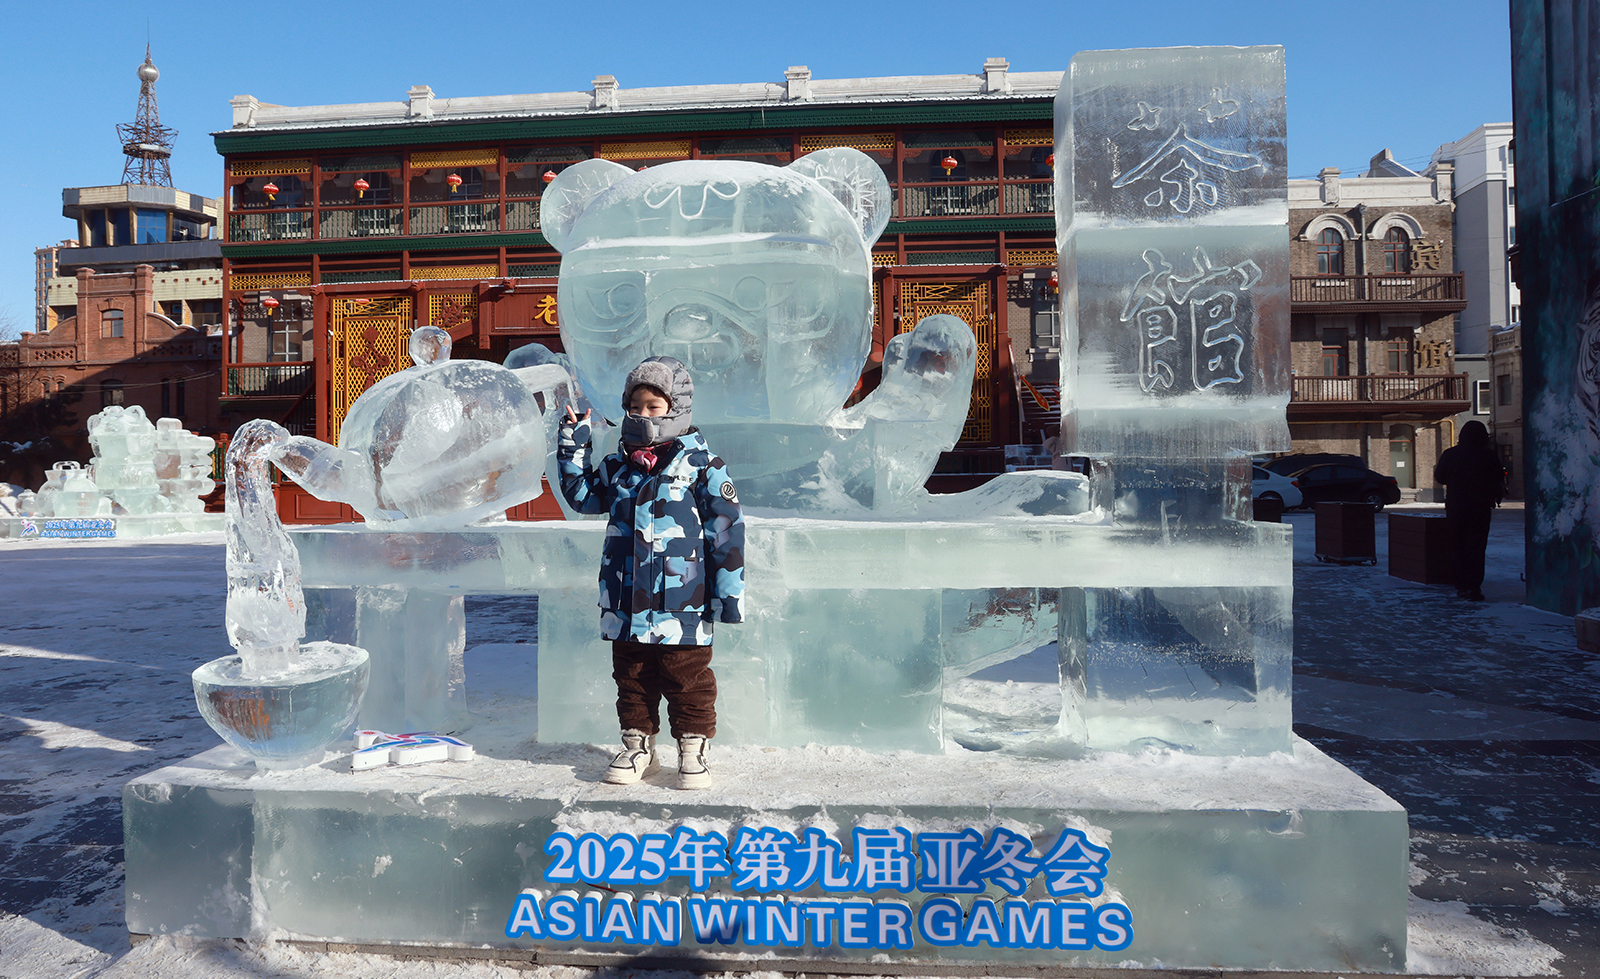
x=145 y=141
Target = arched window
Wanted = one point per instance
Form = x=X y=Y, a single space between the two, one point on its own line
x=110 y=324
x=1396 y=251
x=1330 y=252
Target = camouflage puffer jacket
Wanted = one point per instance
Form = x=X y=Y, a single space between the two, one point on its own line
x=674 y=550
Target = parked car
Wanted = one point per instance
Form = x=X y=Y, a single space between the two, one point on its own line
x=1290 y=464
x=1275 y=486
x=1346 y=484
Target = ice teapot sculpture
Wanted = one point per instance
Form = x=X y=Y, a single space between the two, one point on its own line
x=440 y=444
x=68 y=491
x=759 y=279
x=280 y=701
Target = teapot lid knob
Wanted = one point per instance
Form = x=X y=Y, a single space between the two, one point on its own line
x=429 y=345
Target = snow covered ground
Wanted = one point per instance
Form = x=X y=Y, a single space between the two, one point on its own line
x=1482 y=719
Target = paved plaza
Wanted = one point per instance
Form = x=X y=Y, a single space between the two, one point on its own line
x=1483 y=720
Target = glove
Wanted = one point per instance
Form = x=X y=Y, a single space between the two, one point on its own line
x=576 y=433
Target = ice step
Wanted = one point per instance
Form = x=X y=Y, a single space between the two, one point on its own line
x=1288 y=861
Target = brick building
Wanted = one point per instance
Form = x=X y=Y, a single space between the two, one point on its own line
x=1374 y=297
x=116 y=348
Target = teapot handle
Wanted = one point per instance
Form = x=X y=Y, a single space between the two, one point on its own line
x=552 y=383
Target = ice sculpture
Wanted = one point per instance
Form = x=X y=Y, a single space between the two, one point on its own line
x=68 y=491
x=437 y=446
x=150 y=477
x=150 y=469
x=759 y=279
x=442 y=443
x=277 y=700
x=1170 y=229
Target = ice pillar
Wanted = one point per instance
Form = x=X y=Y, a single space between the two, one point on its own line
x=1171 y=226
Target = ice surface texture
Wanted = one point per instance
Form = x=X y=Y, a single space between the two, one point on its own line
x=1171 y=207
x=439 y=444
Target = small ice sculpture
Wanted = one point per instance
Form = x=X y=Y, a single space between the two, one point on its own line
x=183 y=466
x=440 y=444
x=759 y=279
x=139 y=470
x=279 y=701
x=68 y=491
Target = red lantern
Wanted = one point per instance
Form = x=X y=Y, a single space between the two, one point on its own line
x=361 y=188
x=949 y=163
x=1051 y=160
x=271 y=305
x=271 y=190
x=454 y=180
x=548 y=176
x=643 y=168
x=1055 y=282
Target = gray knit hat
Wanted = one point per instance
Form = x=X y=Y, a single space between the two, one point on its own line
x=672 y=379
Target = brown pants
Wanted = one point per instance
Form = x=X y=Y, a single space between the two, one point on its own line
x=646 y=672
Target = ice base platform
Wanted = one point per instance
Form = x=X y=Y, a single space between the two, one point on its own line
x=1286 y=861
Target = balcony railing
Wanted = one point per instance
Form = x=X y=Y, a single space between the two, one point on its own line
x=1388 y=388
x=453 y=219
x=269 y=380
x=269 y=227
x=362 y=222
x=1411 y=287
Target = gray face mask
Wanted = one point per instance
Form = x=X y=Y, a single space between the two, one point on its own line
x=646 y=430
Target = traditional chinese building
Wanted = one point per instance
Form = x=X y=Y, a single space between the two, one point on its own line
x=347 y=225
x=1374 y=296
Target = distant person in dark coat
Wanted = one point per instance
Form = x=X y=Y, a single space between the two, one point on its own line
x=1474 y=483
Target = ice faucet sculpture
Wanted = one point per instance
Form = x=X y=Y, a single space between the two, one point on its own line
x=278 y=700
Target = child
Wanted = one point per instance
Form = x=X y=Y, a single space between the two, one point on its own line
x=674 y=552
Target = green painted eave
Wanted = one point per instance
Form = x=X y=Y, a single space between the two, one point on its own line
x=533 y=239
x=969 y=225
x=355 y=246
x=1039 y=110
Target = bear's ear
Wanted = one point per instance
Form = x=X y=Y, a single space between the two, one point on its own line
x=850 y=177
x=569 y=194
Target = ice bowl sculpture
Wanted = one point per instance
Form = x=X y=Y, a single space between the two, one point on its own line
x=440 y=444
x=278 y=700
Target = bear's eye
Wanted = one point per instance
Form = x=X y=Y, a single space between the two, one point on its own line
x=624 y=299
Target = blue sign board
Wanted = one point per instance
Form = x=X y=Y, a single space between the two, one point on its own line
x=762 y=866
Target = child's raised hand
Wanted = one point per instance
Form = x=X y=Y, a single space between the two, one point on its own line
x=578 y=430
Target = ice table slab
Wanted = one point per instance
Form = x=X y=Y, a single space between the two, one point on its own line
x=1276 y=862
x=856 y=632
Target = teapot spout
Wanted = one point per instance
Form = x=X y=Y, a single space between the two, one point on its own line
x=329 y=472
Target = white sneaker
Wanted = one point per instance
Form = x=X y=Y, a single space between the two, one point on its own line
x=693 y=770
x=636 y=759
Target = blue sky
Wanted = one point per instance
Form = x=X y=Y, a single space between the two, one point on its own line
x=1363 y=75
